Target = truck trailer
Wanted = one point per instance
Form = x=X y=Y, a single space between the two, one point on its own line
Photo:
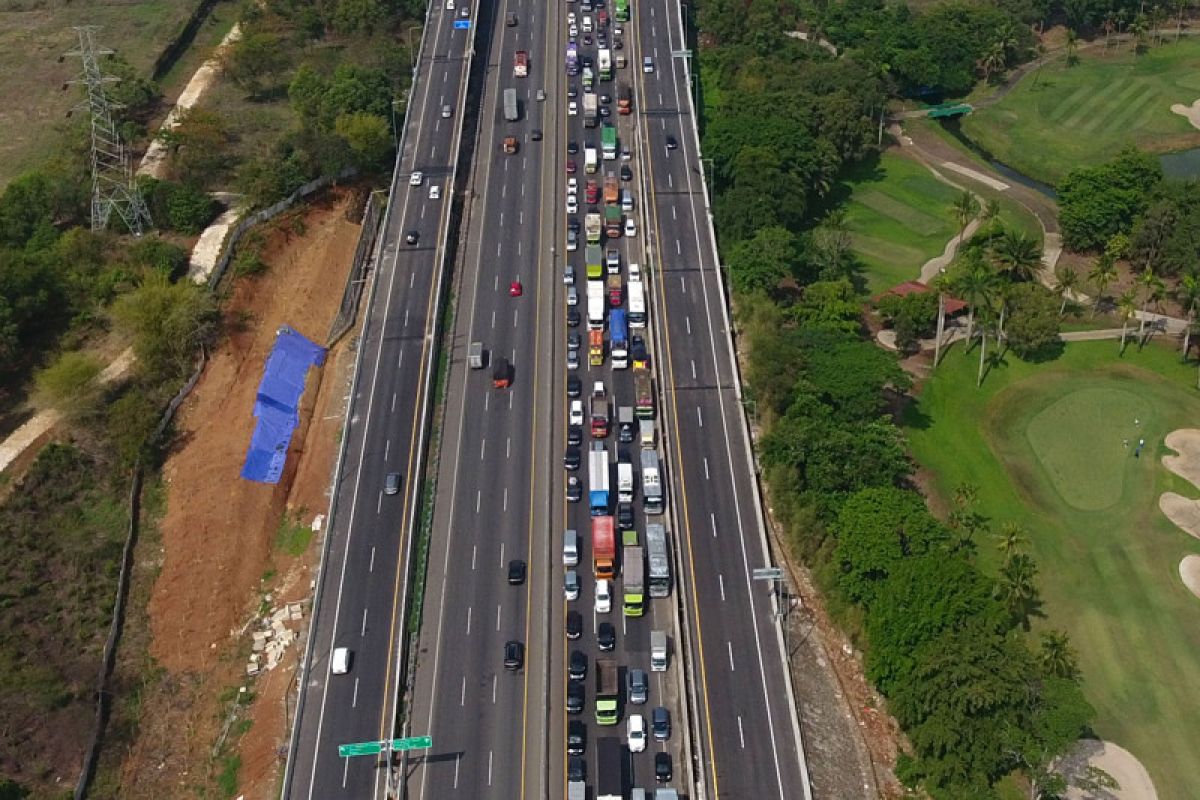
x=633 y=581
x=510 y=105
x=604 y=547
x=598 y=481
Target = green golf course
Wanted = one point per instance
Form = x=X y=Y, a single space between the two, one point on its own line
x=1052 y=446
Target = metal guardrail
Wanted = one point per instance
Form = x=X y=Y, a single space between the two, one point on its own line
x=357 y=275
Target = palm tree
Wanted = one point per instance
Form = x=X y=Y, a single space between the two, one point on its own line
x=1102 y=274
x=1057 y=657
x=1012 y=539
x=965 y=494
x=1072 y=46
x=986 y=316
x=994 y=61
x=1065 y=282
x=989 y=214
x=1017 y=255
x=1108 y=26
x=1188 y=293
x=1126 y=308
x=1152 y=289
x=965 y=208
x=1139 y=28
x=1017 y=588
x=974 y=285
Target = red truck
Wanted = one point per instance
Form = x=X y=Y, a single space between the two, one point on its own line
x=599 y=407
x=604 y=548
x=614 y=291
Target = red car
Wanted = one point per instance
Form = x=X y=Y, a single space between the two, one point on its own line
x=570 y=166
x=514 y=289
x=593 y=192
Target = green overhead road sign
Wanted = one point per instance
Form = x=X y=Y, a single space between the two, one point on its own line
x=374 y=748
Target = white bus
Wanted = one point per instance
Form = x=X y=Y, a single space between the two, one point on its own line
x=637 y=304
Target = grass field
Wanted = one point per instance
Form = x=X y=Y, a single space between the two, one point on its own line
x=34 y=33
x=1044 y=444
x=899 y=216
x=1072 y=116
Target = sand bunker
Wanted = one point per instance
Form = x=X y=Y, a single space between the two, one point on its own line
x=1185 y=442
x=1190 y=113
x=1118 y=762
x=1181 y=510
x=1189 y=573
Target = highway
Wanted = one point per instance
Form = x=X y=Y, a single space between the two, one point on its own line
x=492 y=502
x=361 y=585
x=745 y=703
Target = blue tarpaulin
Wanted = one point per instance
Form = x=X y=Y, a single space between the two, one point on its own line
x=276 y=406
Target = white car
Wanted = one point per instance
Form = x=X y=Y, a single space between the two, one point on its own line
x=630 y=227
x=449 y=5
x=572 y=108
x=576 y=415
x=572 y=31
x=572 y=204
x=636 y=733
x=603 y=597
x=572 y=185
x=340 y=663
x=572 y=359
x=571 y=585
x=435 y=191
x=587 y=24
x=416 y=179
x=618 y=30
x=647 y=64
x=570 y=17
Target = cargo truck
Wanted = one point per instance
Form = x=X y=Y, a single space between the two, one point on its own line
x=598 y=403
x=612 y=222
x=608 y=143
x=521 y=64
x=572 y=60
x=614 y=291
x=598 y=481
x=626 y=426
x=510 y=105
x=618 y=337
x=587 y=79
x=593 y=258
x=590 y=160
x=625 y=480
x=658 y=651
x=604 y=546
x=624 y=100
x=633 y=583
x=610 y=778
x=604 y=62
x=596 y=348
x=589 y=108
x=592 y=225
x=595 y=305
x=475 y=355
x=642 y=392
x=612 y=189
x=577 y=790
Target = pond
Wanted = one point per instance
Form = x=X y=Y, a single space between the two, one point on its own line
x=1182 y=165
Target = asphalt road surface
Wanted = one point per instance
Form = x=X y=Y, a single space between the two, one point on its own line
x=362 y=586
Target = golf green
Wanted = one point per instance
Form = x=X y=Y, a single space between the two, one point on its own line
x=1052 y=447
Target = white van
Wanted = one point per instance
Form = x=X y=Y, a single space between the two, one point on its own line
x=587 y=24
x=571 y=548
x=341 y=661
x=626 y=200
x=603 y=597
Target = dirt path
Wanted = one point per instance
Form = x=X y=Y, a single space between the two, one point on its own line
x=218 y=530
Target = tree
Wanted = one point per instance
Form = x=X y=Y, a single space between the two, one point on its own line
x=1103 y=273
x=965 y=207
x=876 y=529
x=1016 y=589
x=255 y=61
x=763 y=261
x=368 y=136
x=70 y=385
x=1016 y=255
x=1126 y=308
x=1097 y=202
x=1072 y=45
x=1033 y=323
x=1066 y=281
x=1057 y=657
x=1012 y=539
x=975 y=285
x=1152 y=290
x=831 y=247
x=168 y=322
x=1188 y=293
x=197 y=147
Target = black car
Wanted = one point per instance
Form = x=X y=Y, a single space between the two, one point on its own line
x=516 y=572
x=574 y=490
x=572 y=458
x=514 y=655
x=412 y=237
x=575 y=434
x=587 y=38
x=536 y=135
x=671 y=143
x=660 y=723
x=605 y=99
x=573 y=317
x=575 y=768
x=572 y=146
x=626 y=173
x=601 y=40
x=625 y=516
x=577 y=670
x=575 y=701
x=574 y=624
x=572 y=93
x=618 y=43
x=573 y=224
x=574 y=341
x=605 y=111
x=574 y=386
x=637 y=348
x=606 y=636
x=662 y=766
x=576 y=736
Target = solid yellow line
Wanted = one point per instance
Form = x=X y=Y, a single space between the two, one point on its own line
x=687 y=525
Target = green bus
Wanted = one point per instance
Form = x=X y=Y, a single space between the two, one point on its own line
x=622 y=11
